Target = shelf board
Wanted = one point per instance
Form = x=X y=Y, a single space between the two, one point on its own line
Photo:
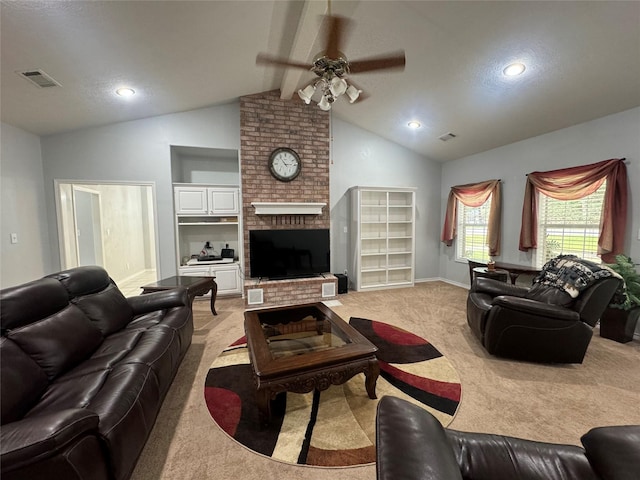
x=288 y=208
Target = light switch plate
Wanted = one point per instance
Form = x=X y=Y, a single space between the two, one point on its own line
x=14 y=238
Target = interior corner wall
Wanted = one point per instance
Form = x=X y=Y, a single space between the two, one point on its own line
x=266 y=123
x=360 y=157
x=135 y=151
x=23 y=209
x=613 y=136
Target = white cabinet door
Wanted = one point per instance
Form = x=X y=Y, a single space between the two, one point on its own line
x=223 y=201
x=227 y=278
x=191 y=201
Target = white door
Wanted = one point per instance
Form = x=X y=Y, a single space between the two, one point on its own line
x=88 y=223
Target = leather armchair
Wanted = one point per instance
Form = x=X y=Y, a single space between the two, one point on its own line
x=411 y=444
x=541 y=323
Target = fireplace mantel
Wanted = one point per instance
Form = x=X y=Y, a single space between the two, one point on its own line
x=288 y=208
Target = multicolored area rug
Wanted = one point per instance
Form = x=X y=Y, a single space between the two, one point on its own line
x=335 y=427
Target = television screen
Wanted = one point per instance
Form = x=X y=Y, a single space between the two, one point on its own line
x=278 y=254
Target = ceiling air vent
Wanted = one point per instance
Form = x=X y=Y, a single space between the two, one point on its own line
x=447 y=136
x=39 y=78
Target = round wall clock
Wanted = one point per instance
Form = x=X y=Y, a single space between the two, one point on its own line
x=284 y=164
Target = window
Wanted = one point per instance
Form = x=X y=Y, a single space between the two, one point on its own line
x=472 y=228
x=569 y=227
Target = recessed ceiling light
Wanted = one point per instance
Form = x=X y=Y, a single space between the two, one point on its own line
x=514 y=69
x=414 y=124
x=125 y=92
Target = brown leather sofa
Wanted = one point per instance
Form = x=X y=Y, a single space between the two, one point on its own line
x=539 y=324
x=83 y=374
x=411 y=444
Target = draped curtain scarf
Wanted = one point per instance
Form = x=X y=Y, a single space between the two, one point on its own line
x=475 y=195
x=575 y=183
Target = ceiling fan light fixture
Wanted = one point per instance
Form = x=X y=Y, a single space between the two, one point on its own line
x=337 y=86
x=324 y=104
x=306 y=93
x=353 y=93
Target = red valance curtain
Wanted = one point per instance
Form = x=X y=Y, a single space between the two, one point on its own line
x=572 y=184
x=475 y=195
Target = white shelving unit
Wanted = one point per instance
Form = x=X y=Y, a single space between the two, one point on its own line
x=207 y=213
x=382 y=237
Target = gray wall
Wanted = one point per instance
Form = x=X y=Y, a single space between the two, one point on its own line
x=614 y=136
x=361 y=158
x=137 y=151
x=23 y=209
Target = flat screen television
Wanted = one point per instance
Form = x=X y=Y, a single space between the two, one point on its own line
x=279 y=254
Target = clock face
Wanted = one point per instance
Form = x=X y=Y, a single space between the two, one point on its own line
x=284 y=164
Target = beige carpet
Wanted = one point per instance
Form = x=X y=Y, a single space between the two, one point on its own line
x=540 y=402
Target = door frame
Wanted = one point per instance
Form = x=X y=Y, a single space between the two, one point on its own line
x=58 y=183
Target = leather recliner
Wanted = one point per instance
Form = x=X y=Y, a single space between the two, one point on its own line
x=539 y=324
x=411 y=444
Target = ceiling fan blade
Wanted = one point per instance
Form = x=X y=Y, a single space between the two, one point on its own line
x=266 y=59
x=389 y=61
x=336 y=33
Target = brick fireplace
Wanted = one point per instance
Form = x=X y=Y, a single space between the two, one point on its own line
x=266 y=123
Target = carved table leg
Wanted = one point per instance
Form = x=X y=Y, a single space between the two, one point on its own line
x=263 y=399
x=371 y=378
x=214 y=292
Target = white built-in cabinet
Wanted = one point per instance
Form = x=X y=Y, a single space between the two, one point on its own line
x=206 y=213
x=201 y=200
x=382 y=241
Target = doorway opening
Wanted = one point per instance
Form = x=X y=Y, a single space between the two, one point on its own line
x=112 y=225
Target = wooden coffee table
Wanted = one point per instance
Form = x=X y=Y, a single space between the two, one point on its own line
x=195 y=286
x=300 y=348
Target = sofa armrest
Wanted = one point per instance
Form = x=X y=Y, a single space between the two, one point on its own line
x=495 y=288
x=411 y=444
x=614 y=451
x=484 y=455
x=533 y=307
x=150 y=302
x=34 y=438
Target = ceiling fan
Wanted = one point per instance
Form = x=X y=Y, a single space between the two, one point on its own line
x=332 y=66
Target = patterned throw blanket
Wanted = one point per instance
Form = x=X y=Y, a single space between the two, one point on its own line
x=572 y=274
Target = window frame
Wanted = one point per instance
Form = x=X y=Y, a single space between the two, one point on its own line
x=587 y=204
x=461 y=231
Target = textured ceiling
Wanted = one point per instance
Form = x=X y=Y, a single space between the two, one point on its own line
x=583 y=62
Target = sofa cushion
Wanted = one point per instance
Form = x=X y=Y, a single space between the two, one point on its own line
x=59 y=342
x=83 y=280
x=108 y=309
x=23 y=304
x=23 y=381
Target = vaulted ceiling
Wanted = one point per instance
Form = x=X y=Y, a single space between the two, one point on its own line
x=582 y=62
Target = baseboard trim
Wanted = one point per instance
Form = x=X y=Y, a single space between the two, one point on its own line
x=445 y=280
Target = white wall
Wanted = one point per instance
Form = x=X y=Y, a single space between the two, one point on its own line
x=23 y=209
x=136 y=151
x=614 y=136
x=361 y=158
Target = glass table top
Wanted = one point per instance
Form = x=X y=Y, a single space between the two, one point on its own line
x=300 y=332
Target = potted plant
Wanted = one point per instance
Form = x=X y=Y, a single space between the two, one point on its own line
x=618 y=322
